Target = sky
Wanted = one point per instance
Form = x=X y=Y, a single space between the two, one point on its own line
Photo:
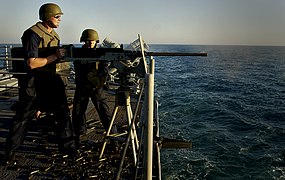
x=193 y=22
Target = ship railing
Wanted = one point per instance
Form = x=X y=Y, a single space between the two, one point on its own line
x=5 y=53
x=7 y=80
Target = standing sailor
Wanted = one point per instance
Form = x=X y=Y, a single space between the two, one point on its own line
x=90 y=78
x=42 y=86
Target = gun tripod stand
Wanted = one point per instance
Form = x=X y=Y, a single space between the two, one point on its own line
x=123 y=99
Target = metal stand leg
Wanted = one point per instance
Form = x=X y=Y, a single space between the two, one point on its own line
x=127 y=104
x=109 y=130
x=132 y=129
x=128 y=140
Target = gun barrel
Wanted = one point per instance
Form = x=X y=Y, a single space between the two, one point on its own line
x=174 y=54
x=110 y=54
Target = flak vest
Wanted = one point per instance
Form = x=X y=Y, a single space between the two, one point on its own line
x=48 y=39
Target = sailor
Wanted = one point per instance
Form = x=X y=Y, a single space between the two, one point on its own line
x=90 y=79
x=43 y=88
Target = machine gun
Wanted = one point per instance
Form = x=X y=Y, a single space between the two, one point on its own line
x=128 y=58
x=125 y=61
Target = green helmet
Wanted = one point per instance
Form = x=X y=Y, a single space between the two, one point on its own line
x=89 y=35
x=48 y=10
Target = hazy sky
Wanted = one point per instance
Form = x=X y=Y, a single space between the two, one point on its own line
x=242 y=22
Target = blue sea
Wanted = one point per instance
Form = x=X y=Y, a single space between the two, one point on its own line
x=230 y=104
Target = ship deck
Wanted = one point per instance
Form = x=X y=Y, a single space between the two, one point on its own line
x=38 y=157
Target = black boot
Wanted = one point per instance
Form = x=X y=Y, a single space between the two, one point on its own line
x=77 y=142
x=68 y=147
x=9 y=159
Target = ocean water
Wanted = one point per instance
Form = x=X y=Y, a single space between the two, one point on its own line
x=231 y=104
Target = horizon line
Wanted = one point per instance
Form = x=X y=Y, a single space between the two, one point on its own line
x=186 y=44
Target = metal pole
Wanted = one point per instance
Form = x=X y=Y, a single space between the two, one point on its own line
x=6 y=57
x=148 y=146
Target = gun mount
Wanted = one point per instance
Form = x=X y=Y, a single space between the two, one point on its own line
x=130 y=64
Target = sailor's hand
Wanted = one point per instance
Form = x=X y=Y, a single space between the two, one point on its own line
x=38 y=114
x=97 y=81
x=60 y=53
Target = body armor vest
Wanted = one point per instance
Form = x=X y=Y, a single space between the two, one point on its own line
x=47 y=40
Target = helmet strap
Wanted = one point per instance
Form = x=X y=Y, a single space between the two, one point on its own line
x=49 y=25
